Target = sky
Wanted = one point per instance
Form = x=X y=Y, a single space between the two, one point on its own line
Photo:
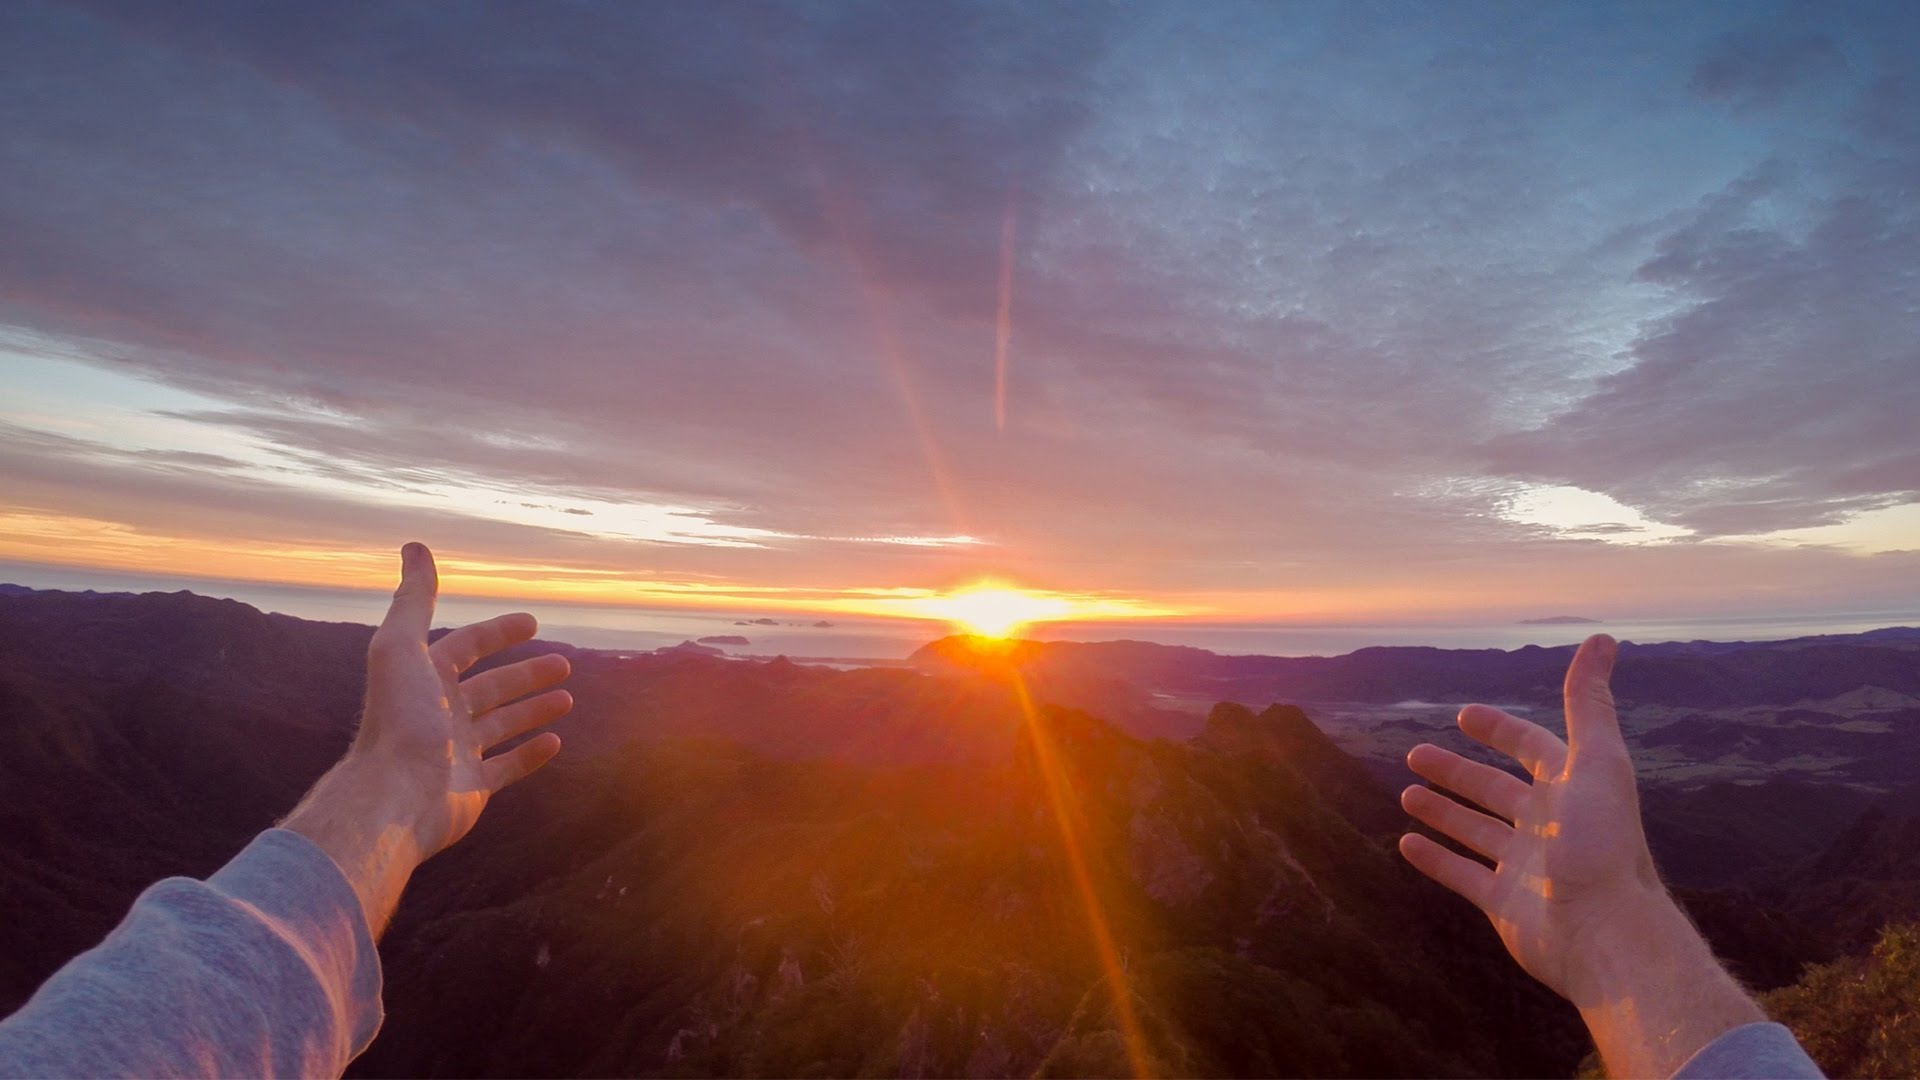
x=1224 y=312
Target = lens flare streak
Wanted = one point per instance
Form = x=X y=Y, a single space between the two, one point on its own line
x=866 y=267
x=1099 y=929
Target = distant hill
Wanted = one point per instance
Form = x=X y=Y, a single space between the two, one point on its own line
x=1696 y=673
x=1561 y=620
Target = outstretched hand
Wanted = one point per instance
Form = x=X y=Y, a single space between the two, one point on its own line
x=433 y=729
x=1574 y=855
x=1573 y=891
x=416 y=777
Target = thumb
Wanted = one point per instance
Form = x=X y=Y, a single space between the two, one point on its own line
x=1592 y=722
x=411 y=614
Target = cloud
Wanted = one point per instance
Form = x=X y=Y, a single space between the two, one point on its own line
x=1755 y=69
x=1299 y=293
x=1779 y=391
x=890 y=129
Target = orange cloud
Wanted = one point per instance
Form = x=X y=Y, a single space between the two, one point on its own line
x=80 y=541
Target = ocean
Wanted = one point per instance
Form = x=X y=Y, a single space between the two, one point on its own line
x=862 y=638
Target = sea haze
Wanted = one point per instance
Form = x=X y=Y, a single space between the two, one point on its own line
x=602 y=626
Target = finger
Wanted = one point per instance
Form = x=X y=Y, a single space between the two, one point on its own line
x=1538 y=750
x=1592 y=722
x=507 y=721
x=465 y=646
x=1501 y=792
x=503 y=770
x=411 y=614
x=1486 y=835
x=492 y=689
x=1456 y=872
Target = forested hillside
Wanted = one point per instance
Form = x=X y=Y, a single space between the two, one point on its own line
x=775 y=869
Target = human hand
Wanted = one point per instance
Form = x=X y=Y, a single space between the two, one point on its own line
x=431 y=729
x=415 y=779
x=1574 y=855
x=1573 y=891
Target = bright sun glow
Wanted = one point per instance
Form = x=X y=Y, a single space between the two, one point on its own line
x=995 y=610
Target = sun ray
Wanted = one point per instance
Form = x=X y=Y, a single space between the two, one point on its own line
x=1059 y=800
x=845 y=227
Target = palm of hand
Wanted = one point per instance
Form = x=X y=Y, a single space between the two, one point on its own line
x=432 y=729
x=414 y=721
x=1575 y=836
x=1574 y=848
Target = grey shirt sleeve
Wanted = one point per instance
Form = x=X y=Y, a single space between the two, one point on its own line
x=266 y=968
x=1763 y=1051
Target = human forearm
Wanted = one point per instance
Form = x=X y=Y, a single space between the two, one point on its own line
x=1573 y=891
x=1650 y=990
x=269 y=967
x=361 y=814
x=264 y=969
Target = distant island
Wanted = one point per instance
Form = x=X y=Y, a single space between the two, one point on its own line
x=1561 y=620
x=688 y=648
x=724 y=639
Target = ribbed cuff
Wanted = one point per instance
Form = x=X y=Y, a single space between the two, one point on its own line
x=1759 y=1051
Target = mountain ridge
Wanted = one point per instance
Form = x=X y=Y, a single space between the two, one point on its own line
x=741 y=866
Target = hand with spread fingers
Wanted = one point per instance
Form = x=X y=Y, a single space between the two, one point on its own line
x=1574 y=853
x=1572 y=890
x=417 y=776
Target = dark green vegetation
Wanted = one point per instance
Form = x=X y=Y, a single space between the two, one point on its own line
x=772 y=869
x=1860 y=1016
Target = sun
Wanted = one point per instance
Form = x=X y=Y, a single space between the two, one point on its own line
x=994 y=607
x=994 y=610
